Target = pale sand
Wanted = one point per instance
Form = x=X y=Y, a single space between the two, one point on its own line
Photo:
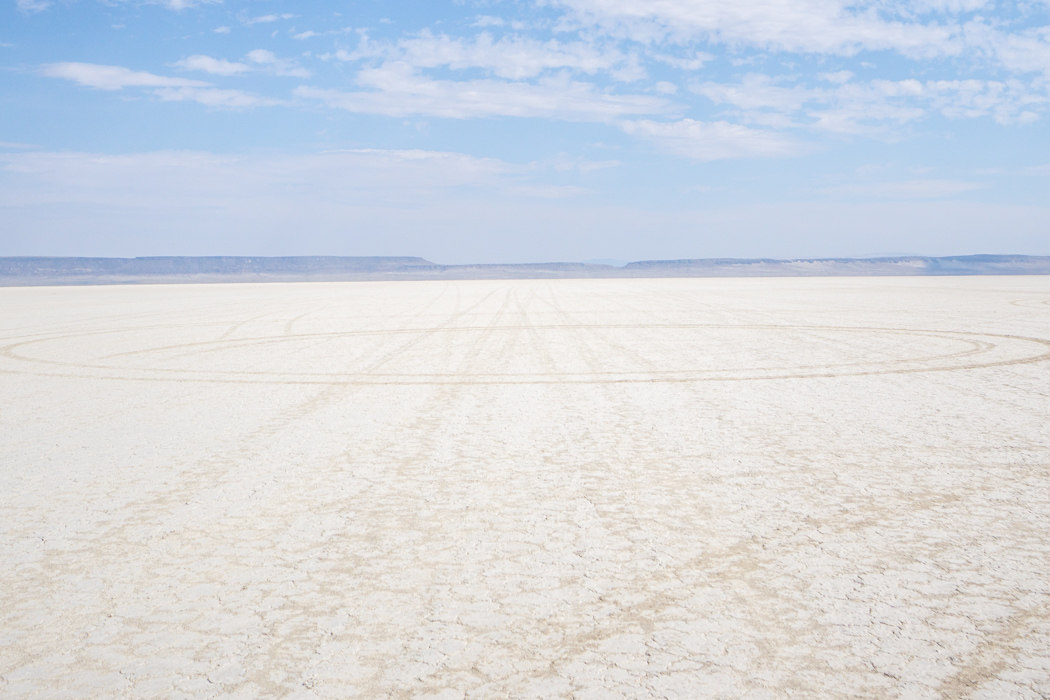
x=625 y=488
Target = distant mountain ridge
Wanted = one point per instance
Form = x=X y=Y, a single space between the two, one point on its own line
x=204 y=265
x=819 y=267
x=23 y=271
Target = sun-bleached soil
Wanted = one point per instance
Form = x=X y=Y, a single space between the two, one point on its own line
x=749 y=488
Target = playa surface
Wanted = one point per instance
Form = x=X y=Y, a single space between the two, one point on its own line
x=737 y=488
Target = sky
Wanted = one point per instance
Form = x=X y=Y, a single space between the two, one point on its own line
x=525 y=131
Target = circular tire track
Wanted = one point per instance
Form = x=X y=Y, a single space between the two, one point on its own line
x=977 y=350
x=1031 y=303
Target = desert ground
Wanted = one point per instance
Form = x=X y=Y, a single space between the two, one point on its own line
x=735 y=488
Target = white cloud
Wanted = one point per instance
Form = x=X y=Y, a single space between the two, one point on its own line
x=262 y=56
x=757 y=91
x=918 y=7
x=397 y=90
x=911 y=189
x=916 y=29
x=215 y=66
x=33 y=5
x=1023 y=52
x=873 y=108
x=259 y=59
x=214 y=97
x=875 y=105
x=309 y=34
x=514 y=57
x=488 y=21
x=706 y=141
x=180 y=5
x=221 y=30
x=277 y=66
x=838 y=77
x=266 y=19
x=113 y=77
x=167 y=89
x=1007 y=102
x=809 y=26
x=695 y=62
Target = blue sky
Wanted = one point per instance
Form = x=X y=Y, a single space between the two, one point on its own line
x=524 y=131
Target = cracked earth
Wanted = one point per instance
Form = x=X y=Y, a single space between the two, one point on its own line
x=750 y=488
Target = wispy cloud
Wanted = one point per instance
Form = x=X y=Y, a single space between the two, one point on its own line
x=266 y=19
x=707 y=141
x=33 y=5
x=693 y=62
x=269 y=62
x=215 y=66
x=837 y=77
x=257 y=60
x=166 y=88
x=488 y=21
x=810 y=26
x=215 y=97
x=309 y=34
x=514 y=56
x=599 y=46
x=917 y=30
x=180 y=5
x=397 y=89
x=183 y=4
x=114 y=77
x=870 y=107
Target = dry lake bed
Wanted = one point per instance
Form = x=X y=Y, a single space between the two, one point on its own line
x=737 y=488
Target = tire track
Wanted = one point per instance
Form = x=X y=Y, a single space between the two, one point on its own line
x=980 y=343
